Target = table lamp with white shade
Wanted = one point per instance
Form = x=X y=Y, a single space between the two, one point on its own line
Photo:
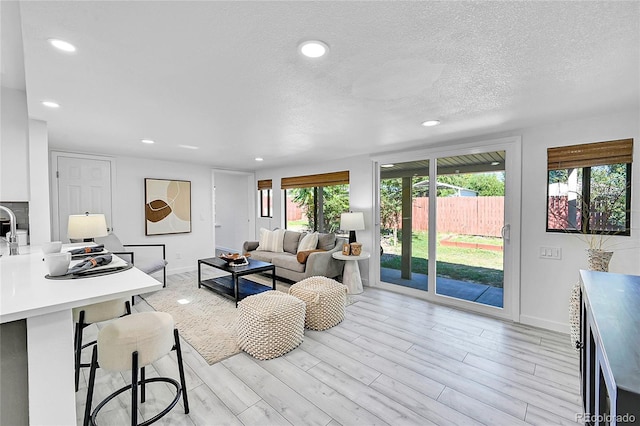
x=86 y=227
x=352 y=222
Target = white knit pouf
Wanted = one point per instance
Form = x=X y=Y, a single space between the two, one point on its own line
x=324 y=299
x=270 y=324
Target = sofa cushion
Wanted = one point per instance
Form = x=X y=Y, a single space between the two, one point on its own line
x=265 y=256
x=271 y=240
x=291 y=240
x=308 y=242
x=287 y=261
x=326 y=241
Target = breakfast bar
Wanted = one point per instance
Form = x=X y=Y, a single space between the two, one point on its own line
x=46 y=306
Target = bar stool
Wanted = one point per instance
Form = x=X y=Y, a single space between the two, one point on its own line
x=131 y=343
x=84 y=316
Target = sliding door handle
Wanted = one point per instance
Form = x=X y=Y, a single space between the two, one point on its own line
x=505 y=232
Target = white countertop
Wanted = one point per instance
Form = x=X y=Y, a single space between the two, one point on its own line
x=25 y=292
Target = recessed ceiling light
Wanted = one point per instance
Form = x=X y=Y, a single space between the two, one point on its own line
x=386 y=166
x=50 y=104
x=430 y=123
x=149 y=141
x=183 y=301
x=313 y=48
x=188 y=147
x=259 y=159
x=62 y=45
x=495 y=163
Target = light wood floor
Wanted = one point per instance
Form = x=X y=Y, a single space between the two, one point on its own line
x=394 y=360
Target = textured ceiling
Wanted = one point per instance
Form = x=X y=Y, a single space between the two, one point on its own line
x=226 y=76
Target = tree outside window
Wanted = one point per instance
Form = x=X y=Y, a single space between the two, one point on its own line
x=317 y=208
x=589 y=189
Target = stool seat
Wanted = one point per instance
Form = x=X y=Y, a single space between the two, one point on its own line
x=102 y=311
x=270 y=324
x=148 y=333
x=324 y=300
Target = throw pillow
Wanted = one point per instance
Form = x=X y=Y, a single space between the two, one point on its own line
x=309 y=242
x=303 y=255
x=327 y=241
x=271 y=240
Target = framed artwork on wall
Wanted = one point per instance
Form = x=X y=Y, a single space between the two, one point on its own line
x=167 y=208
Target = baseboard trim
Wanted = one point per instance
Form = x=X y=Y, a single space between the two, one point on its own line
x=546 y=324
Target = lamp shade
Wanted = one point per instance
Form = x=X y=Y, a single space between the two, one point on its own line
x=85 y=226
x=352 y=221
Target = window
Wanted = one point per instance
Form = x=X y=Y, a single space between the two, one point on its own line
x=266 y=200
x=315 y=202
x=589 y=188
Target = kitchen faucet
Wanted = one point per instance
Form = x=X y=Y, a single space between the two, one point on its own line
x=13 y=235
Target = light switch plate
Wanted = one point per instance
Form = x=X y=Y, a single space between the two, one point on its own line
x=551 y=253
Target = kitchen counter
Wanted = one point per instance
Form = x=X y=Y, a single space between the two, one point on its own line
x=46 y=305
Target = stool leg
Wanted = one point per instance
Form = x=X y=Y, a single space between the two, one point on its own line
x=78 y=346
x=92 y=379
x=134 y=388
x=185 y=400
x=142 y=387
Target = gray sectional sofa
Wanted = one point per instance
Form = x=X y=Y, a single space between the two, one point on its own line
x=316 y=263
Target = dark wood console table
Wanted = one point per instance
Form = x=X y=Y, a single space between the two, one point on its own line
x=610 y=351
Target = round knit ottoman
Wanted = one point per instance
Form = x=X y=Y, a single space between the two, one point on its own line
x=324 y=299
x=270 y=324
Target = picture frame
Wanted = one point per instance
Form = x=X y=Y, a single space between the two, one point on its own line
x=167 y=208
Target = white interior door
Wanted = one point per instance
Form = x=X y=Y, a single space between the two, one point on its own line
x=84 y=185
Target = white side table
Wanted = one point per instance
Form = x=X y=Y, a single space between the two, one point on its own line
x=351 y=275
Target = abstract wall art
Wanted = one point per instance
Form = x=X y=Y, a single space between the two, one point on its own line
x=167 y=207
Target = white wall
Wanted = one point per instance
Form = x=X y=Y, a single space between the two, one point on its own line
x=14 y=146
x=183 y=250
x=544 y=284
x=39 y=206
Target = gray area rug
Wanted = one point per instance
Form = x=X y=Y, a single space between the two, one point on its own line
x=204 y=319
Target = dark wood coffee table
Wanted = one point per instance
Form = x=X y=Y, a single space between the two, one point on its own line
x=233 y=285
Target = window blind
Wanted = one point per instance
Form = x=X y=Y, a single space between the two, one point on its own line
x=264 y=184
x=323 y=179
x=590 y=154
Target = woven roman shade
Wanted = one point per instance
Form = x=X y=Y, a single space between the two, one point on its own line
x=323 y=179
x=264 y=184
x=590 y=154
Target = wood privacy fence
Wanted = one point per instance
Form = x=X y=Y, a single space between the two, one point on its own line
x=462 y=215
x=456 y=215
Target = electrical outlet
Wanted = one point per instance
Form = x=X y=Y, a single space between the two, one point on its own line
x=178 y=255
x=551 y=253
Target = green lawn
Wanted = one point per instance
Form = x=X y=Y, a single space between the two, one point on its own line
x=472 y=265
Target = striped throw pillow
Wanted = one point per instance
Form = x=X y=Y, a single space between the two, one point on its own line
x=271 y=240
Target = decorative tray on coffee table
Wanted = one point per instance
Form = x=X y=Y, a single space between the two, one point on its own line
x=235 y=259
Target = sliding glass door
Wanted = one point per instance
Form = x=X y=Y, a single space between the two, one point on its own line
x=445 y=222
x=469 y=226
x=404 y=223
